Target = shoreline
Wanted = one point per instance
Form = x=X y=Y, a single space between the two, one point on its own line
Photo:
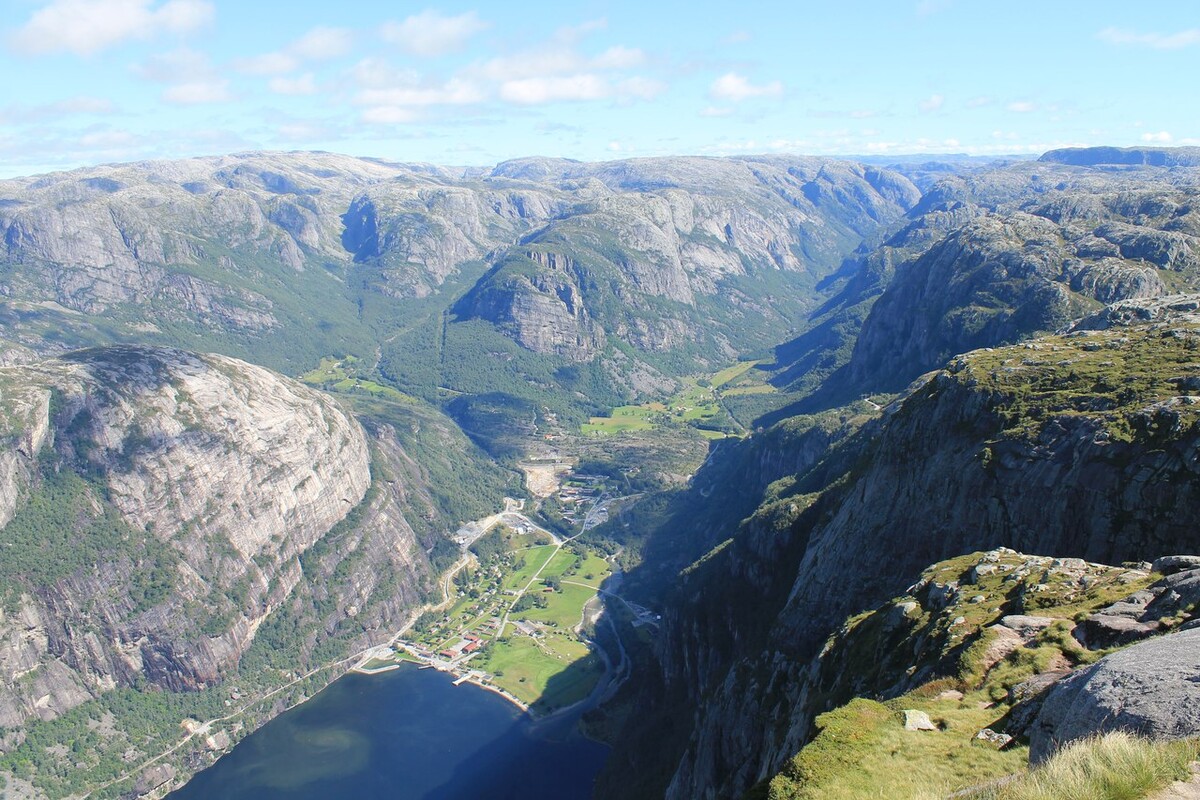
x=463 y=676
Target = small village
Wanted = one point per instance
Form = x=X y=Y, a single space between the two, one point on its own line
x=519 y=604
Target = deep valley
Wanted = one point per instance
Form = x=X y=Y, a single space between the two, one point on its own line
x=737 y=458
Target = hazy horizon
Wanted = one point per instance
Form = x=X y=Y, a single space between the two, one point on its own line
x=102 y=81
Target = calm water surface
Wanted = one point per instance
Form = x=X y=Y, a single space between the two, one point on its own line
x=404 y=734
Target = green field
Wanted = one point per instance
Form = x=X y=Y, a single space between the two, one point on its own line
x=528 y=669
x=621 y=419
x=535 y=558
x=551 y=669
x=731 y=374
x=697 y=404
x=526 y=541
x=565 y=607
x=741 y=391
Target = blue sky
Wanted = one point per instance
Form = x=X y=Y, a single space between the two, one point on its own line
x=93 y=81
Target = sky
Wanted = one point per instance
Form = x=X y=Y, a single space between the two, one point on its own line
x=98 y=81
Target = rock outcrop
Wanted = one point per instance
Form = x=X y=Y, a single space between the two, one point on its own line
x=1124 y=156
x=1151 y=689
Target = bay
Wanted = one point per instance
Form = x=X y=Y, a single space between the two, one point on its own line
x=403 y=734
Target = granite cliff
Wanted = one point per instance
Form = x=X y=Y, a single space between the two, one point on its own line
x=176 y=522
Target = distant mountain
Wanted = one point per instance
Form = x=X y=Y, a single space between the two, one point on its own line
x=990 y=258
x=615 y=277
x=1125 y=156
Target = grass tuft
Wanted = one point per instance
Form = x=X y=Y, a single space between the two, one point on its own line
x=1115 y=766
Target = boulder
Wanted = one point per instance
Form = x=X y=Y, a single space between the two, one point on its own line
x=997 y=740
x=1099 y=631
x=1150 y=689
x=1026 y=699
x=1026 y=626
x=1139 y=615
x=1168 y=565
x=918 y=721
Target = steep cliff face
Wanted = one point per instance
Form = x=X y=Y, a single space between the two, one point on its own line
x=1083 y=445
x=206 y=475
x=179 y=524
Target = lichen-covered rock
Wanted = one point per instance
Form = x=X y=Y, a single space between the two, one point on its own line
x=1147 y=612
x=1150 y=689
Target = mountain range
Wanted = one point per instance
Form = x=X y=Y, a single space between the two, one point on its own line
x=1001 y=358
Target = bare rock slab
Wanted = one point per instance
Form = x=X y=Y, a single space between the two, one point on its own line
x=1150 y=689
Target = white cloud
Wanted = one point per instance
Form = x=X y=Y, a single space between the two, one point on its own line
x=640 y=88
x=737 y=37
x=979 y=102
x=72 y=106
x=375 y=73
x=322 y=44
x=86 y=27
x=84 y=105
x=716 y=111
x=195 y=93
x=319 y=44
x=191 y=77
x=535 y=91
x=1162 y=137
x=432 y=34
x=303 y=84
x=108 y=138
x=554 y=72
x=932 y=103
x=619 y=57
x=1157 y=41
x=1022 y=107
x=736 y=88
x=177 y=66
x=571 y=34
x=390 y=115
x=267 y=64
x=532 y=64
x=403 y=98
x=454 y=92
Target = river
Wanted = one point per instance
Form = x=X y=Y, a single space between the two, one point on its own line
x=403 y=734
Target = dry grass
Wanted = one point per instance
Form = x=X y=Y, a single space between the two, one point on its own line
x=1115 y=766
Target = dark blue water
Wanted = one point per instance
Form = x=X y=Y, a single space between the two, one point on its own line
x=404 y=734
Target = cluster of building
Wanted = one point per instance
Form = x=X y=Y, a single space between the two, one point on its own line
x=579 y=494
x=468 y=644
